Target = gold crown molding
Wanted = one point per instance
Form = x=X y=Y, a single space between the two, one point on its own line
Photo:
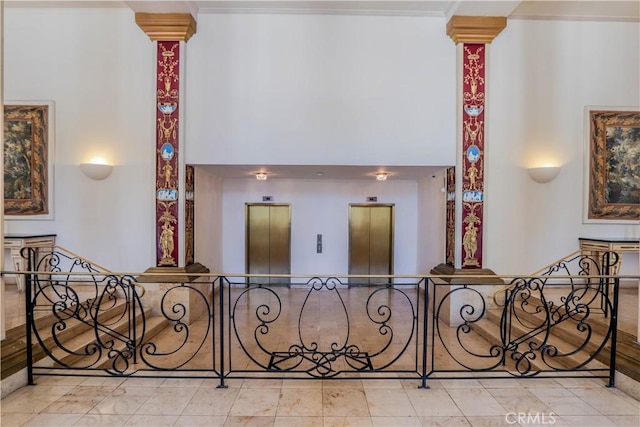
x=167 y=26
x=475 y=29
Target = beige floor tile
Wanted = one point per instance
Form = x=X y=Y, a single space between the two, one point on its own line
x=15 y=419
x=42 y=380
x=255 y=402
x=211 y=401
x=344 y=403
x=444 y=421
x=433 y=403
x=625 y=420
x=100 y=381
x=570 y=406
x=347 y=422
x=256 y=421
x=489 y=421
x=53 y=420
x=79 y=400
x=266 y=383
x=389 y=402
x=152 y=420
x=355 y=383
x=123 y=400
x=384 y=383
x=300 y=403
x=33 y=399
x=607 y=402
x=500 y=383
x=518 y=400
x=476 y=402
x=302 y=384
x=396 y=421
x=538 y=382
x=166 y=401
x=143 y=382
x=586 y=421
x=298 y=422
x=460 y=384
x=182 y=382
x=200 y=421
x=111 y=420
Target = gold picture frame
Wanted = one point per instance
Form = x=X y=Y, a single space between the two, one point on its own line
x=28 y=159
x=613 y=138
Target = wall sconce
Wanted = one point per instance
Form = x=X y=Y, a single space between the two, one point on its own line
x=381 y=176
x=261 y=176
x=96 y=171
x=544 y=174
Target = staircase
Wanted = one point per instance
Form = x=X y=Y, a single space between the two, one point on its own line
x=69 y=348
x=577 y=345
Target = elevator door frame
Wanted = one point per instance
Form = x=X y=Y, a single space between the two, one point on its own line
x=248 y=242
x=391 y=206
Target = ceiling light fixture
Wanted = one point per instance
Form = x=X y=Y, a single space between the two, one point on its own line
x=261 y=176
x=381 y=176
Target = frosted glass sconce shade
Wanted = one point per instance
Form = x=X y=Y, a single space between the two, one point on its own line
x=381 y=176
x=544 y=174
x=96 y=171
x=261 y=176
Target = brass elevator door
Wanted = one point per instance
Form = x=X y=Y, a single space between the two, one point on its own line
x=370 y=242
x=268 y=244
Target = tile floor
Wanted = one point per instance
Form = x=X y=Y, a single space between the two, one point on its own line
x=77 y=401
x=178 y=402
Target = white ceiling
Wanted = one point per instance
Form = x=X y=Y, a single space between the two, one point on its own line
x=628 y=10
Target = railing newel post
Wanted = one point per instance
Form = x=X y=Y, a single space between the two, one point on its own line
x=222 y=343
x=29 y=311
x=425 y=334
x=132 y=297
x=614 y=333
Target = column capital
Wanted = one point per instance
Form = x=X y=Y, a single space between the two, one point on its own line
x=475 y=29
x=167 y=26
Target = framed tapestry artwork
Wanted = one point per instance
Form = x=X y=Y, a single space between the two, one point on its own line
x=613 y=165
x=28 y=159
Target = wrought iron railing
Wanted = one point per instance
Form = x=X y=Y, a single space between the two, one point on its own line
x=225 y=327
x=592 y=268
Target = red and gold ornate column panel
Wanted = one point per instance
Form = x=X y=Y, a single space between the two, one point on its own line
x=473 y=96
x=168 y=30
x=475 y=33
x=167 y=151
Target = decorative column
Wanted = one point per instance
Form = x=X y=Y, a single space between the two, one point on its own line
x=472 y=36
x=174 y=201
x=465 y=183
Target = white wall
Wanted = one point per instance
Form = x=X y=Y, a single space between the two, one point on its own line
x=542 y=74
x=208 y=232
x=321 y=89
x=319 y=207
x=431 y=231
x=98 y=67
